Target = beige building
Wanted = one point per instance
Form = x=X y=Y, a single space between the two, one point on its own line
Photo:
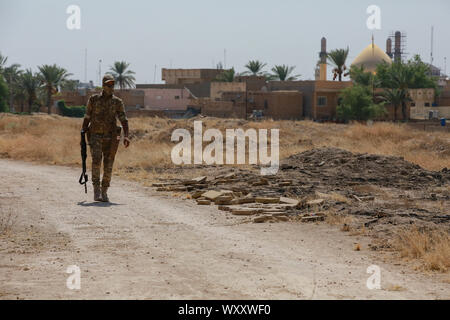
x=189 y=76
x=218 y=88
x=423 y=108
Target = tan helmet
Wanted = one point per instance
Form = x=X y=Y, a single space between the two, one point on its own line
x=108 y=78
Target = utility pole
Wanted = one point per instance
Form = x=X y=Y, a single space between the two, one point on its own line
x=445 y=66
x=224 y=58
x=432 y=35
x=100 y=72
x=85 y=65
x=154 y=75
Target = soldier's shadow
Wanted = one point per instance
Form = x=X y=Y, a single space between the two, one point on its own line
x=98 y=204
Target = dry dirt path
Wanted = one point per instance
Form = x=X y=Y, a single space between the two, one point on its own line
x=148 y=246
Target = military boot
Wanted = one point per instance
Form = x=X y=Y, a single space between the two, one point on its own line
x=105 y=195
x=97 y=193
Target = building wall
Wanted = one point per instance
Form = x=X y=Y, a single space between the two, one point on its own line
x=444 y=98
x=328 y=93
x=423 y=100
x=223 y=109
x=217 y=88
x=253 y=83
x=305 y=87
x=130 y=97
x=166 y=99
x=278 y=105
x=327 y=109
x=189 y=76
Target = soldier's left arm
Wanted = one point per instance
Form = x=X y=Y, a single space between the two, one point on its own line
x=120 y=112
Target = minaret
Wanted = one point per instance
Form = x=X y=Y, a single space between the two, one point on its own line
x=389 y=48
x=323 y=60
x=398 y=47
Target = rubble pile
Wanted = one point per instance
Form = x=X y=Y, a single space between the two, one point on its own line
x=308 y=184
x=263 y=203
x=339 y=167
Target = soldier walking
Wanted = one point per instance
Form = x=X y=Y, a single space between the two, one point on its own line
x=104 y=135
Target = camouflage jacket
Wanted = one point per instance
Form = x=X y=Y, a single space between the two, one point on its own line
x=102 y=111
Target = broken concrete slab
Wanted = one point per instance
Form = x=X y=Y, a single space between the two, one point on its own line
x=291 y=201
x=312 y=218
x=262 y=219
x=211 y=195
x=317 y=202
x=245 y=211
x=267 y=200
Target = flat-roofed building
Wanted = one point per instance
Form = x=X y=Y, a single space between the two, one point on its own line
x=189 y=76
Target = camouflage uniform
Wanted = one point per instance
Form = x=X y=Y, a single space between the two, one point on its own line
x=103 y=133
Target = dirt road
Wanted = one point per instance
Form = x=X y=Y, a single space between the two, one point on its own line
x=148 y=246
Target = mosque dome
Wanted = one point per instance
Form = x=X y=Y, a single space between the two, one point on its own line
x=370 y=57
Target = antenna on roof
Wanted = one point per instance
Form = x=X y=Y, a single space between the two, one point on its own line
x=85 y=65
x=432 y=35
x=224 y=58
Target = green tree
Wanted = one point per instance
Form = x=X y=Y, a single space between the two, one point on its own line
x=124 y=78
x=357 y=104
x=361 y=77
x=404 y=76
x=227 y=76
x=255 y=68
x=12 y=76
x=338 y=58
x=51 y=77
x=283 y=73
x=3 y=94
x=30 y=83
x=3 y=60
x=69 y=85
x=394 y=97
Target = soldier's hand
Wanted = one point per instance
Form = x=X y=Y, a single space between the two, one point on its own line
x=126 y=142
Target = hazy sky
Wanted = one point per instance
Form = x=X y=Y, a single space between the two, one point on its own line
x=194 y=33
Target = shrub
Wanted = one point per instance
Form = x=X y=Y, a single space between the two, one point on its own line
x=73 y=112
x=3 y=95
x=357 y=104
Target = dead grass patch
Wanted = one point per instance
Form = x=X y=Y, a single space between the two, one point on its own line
x=430 y=247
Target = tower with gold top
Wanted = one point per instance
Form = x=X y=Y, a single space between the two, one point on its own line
x=370 y=57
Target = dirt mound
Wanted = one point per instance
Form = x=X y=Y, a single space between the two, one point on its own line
x=340 y=167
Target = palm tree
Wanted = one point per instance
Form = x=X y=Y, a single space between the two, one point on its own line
x=401 y=78
x=338 y=58
x=69 y=85
x=51 y=77
x=254 y=68
x=227 y=76
x=394 y=97
x=3 y=60
x=283 y=73
x=30 y=83
x=124 y=78
x=12 y=76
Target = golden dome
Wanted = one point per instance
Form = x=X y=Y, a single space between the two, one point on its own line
x=370 y=57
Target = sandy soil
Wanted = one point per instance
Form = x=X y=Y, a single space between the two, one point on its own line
x=146 y=245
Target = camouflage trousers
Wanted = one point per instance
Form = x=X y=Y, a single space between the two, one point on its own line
x=103 y=147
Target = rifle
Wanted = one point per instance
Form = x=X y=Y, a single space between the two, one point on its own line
x=84 y=177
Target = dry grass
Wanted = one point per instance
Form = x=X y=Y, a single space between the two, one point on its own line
x=55 y=140
x=7 y=219
x=431 y=248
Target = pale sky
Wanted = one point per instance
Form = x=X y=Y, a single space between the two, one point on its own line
x=194 y=33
